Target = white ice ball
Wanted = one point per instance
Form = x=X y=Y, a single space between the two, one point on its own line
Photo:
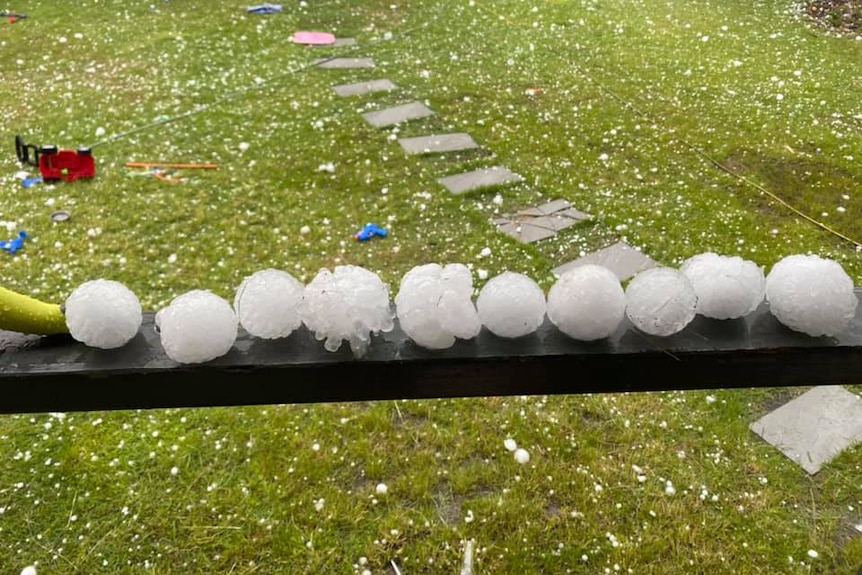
x=103 y=313
x=510 y=444
x=349 y=304
x=197 y=326
x=267 y=304
x=435 y=305
x=660 y=301
x=29 y=570
x=726 y=287
x=522 y=456
x=511 y=305
x=811 y=294
x=587 y=303
x=381 y=489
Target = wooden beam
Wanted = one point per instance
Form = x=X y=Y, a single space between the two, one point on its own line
x=58 y=374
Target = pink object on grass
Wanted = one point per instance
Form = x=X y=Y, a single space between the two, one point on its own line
x=313 y=38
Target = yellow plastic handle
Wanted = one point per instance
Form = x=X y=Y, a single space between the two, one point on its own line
x=27 y=315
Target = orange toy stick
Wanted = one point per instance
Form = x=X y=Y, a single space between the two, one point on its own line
x=171 y=165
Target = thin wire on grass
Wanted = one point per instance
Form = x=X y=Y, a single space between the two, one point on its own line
x=242 y=91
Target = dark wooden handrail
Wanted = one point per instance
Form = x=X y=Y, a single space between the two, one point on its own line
x=59 y=374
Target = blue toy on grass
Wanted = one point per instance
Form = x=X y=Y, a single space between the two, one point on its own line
x=370 y=231
x=13 y=246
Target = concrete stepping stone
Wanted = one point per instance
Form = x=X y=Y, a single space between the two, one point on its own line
x=541 y=222
x=398 y=114
x=815 y=427
x=362 y=88
x=482 y=178
x=622 y=259
x=438 y=144
x=344 y=63
x=339 y=43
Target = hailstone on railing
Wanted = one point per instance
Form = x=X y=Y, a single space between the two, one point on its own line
x=660 y=301
x=811 y=294
x=103 y=313
x=435 y=305
x=197 y=326
x=511 y=305
x=587 y=303
x=267 y=304
x=350 y=304
x=726 y=287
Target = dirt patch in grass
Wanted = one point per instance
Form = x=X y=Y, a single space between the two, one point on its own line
x=814 y=185
x=842 y=15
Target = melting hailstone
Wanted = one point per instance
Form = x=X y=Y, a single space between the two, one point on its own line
x=726 y=287
x=511 y=305
x=350 y=304
x=660 y=301
x=435 y=305
x=197 y=326
x=267 y=304
x=587 y=303
x=811 y=294
x=103 y=313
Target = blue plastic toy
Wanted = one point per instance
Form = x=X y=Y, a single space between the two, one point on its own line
x=370 y=231
x=13 y=246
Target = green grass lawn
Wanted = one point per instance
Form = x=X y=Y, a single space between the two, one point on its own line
x=618 y=106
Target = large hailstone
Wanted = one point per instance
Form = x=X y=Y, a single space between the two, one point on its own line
x=726 y=287
x=435 y=305
x=267 y=303
x=660 y=301
x=349 y=304
x=587 y=303
x=197 y=326
x=511 y=305
x=103 y=313
x=811 y=294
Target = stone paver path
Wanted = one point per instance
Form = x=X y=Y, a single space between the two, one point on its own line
x=339 y=43
x=398 y=114
x=541 y=222
x=438 y=144
x=815 y=427
x=344 y=63
x=482 y=178
x=622 y=259
x=363 y=88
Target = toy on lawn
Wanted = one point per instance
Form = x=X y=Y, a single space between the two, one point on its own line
x=13 y=16
x=264 y=9
x=55 y=164
x=165 y=171
x=313 y=38
x=370 y=231
x=12 y=246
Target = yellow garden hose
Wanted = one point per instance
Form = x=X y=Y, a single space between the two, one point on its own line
x=27 y=315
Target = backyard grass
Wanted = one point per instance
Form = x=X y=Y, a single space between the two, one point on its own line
x=625 y=108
